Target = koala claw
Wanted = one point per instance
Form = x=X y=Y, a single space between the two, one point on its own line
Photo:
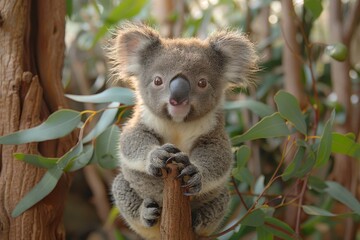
x=193 y=184
x=163 y=155
x=150 y=212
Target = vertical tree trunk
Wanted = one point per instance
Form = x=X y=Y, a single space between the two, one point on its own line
x=176 y=214
x=345 y=168
x=291 y=54
x=31 y=58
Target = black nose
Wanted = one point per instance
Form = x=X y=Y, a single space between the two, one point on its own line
x=179 y=91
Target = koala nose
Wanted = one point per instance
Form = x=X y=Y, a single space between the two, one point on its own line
x=179 y=91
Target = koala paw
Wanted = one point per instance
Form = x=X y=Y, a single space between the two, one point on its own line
x=159 y=158
x=192 y=179
x=149 y=212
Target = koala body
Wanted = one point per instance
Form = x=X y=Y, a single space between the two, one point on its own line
x=180 y=85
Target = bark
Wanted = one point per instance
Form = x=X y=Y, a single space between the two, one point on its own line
x=292 y=81
x=345 y=168
x=176 y=214
x=291 y=54
x=31 y=58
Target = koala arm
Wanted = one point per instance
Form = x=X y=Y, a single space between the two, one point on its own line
x=136 y=142
x=213 y=157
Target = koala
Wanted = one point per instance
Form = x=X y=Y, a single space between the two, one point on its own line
x=180 y=86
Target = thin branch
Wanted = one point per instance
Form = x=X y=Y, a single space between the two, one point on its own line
x=239 y=193
x=352 y=23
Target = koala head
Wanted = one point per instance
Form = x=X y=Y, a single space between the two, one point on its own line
x=181 y=79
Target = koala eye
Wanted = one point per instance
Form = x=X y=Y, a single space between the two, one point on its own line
x=202 y=83
x=158 y=81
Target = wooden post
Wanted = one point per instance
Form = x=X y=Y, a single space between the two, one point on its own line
x=176 y=213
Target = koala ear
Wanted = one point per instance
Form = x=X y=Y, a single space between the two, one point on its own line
x=128 y=46
x=239 y=55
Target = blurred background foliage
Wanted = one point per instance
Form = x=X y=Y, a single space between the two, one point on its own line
x=299 y=45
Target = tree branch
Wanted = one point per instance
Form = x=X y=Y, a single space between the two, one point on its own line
x=352 y=22
x=176 y=214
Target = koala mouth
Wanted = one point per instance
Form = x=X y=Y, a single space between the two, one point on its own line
x=179 y=112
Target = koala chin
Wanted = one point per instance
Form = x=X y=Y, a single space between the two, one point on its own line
x=180 y=86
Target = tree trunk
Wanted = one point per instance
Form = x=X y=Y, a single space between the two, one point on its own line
x=291 y=54
x=176 y=214
x=31 y=59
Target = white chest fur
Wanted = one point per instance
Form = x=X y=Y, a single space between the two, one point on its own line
x=181 y=134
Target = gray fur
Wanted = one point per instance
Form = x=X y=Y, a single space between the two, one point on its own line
x=192 y=135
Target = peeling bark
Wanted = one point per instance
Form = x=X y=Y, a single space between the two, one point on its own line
x=31 y=59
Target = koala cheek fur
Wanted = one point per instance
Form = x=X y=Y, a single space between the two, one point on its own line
x=180 y=85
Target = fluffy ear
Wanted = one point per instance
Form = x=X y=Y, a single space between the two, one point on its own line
x=127 y=47
x=239 y=54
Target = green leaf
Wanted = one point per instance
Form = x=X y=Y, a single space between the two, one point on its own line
x=270 y=126
x=289 y=109
x=37 y=160
x=312 y=210
x=82 y=160
x=345 y=144
x=242 y=156
x=337 y=51
x=306 y=166
x=324 y=150
x=262 y=234
x=47 y=183
x=295 y=164
x=243 y=174
x=42 y=189
x=107 y=118
x=254 y=218
x=279 y=228
x=106 y=148
x=115 y=94
x=258 y=108
x=316 y=184
x=314 y=6
x=58 y=124
x=69 y=8
x=127 y=9
x=343 y=195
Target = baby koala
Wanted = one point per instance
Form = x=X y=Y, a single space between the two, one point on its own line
x=179 y=85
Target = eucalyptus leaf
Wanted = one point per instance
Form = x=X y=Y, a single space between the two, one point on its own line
x=58 y=125
x=82 y=160
x=279 y=228
x=289 y=109
x=41 y=190
x=48 y=181
x=106 y=148
x=254 y=219
x=242 y=156
x=115 y=94
x=312 y=210
x=258 y=108
x=345 y=144
x=338 y=192
x=126 y=9
x=268 y=127
x=324 y=150
x=314 y=6
x=263 y=234
x=37 y=160
x=106 y=119
x=243 y=175
x=295 y=164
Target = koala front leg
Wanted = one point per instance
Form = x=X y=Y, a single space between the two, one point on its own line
x=132 y=207
x=208 y=216
x=189 y=173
